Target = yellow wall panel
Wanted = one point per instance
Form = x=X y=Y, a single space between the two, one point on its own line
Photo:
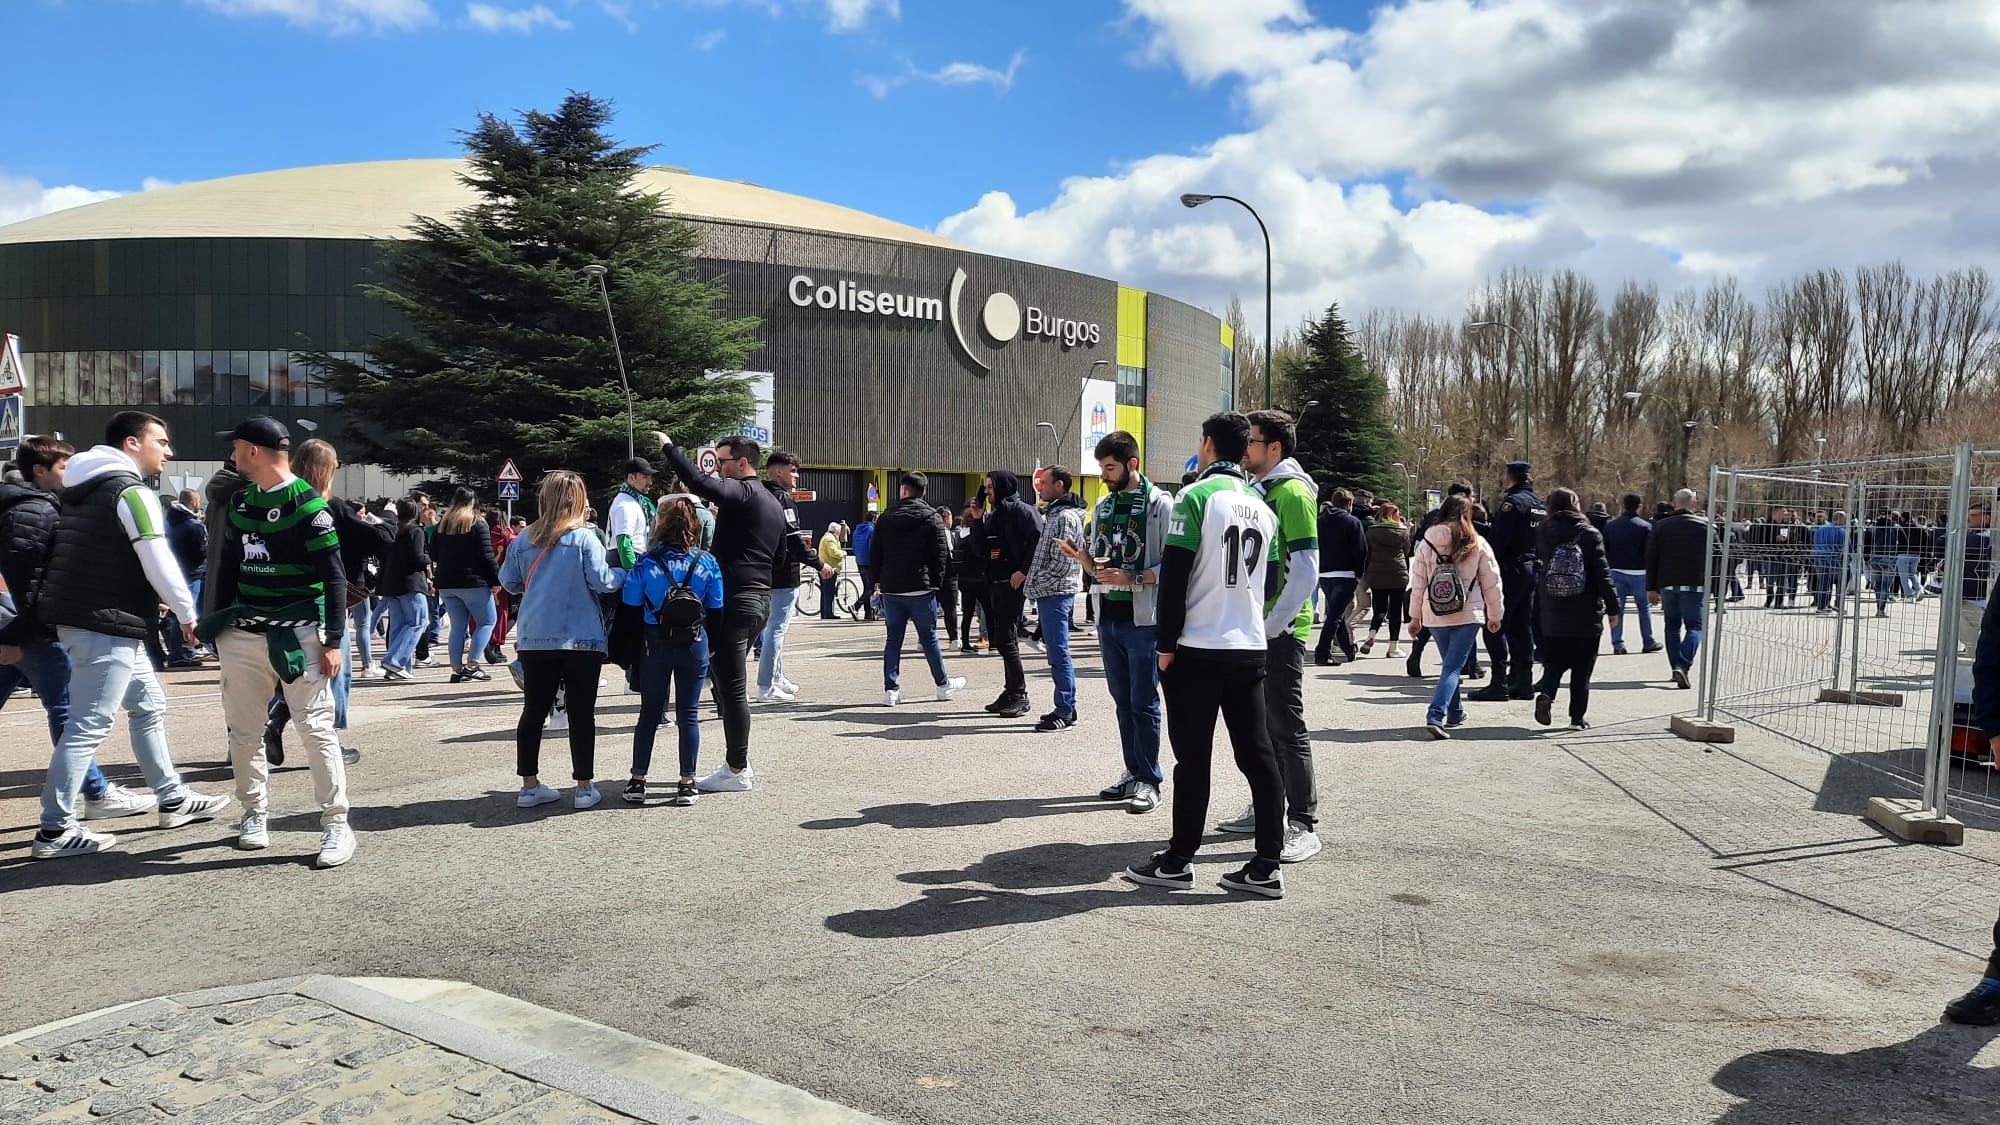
x=1131 y=327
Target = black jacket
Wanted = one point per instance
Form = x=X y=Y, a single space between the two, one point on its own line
x=1013 y=531
x=464 y=560
x=1515 y=523
x=910 y=553
x=189 y=539
x=1677 y=553
x=94 y=579
x=1578 y=616
x=28 y=518
x=968 y=554
x=796 y=549
x=1343 y=542
x=360 y=542
x=404 y=563
x=749 y=526
x=218 y=496
x=1986 y=673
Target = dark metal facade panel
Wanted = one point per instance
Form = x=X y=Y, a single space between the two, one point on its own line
x=1183 y=381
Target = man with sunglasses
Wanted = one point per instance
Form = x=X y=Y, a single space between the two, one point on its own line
x=749 y=532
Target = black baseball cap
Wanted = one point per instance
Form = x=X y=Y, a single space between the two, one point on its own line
x=635 y=465
x=260 y=429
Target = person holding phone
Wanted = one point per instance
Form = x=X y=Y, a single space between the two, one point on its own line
x=1128 y=539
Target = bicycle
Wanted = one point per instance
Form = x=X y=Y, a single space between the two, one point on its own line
x=806 y=603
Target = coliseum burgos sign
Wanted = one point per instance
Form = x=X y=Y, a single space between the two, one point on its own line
x=1001 y=317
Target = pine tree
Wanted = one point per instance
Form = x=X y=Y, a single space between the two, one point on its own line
x=1346 y=439
x=508 y=352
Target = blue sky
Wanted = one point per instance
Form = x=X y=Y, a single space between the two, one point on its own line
x=1403 y=152
x=111 y=92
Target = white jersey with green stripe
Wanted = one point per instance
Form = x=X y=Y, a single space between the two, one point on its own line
x=1233 y=535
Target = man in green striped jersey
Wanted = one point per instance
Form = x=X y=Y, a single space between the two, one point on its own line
x=1221 y=543
x=282 y=609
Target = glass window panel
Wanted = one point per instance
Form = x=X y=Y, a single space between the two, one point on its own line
x=153 y=385
x=205 y=377
x=120 y=383
x=89 y=383
x=236 y=387
x=256 y=372
x=63 y=379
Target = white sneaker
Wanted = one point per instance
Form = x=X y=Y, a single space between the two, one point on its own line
x=775 y=694
x=558 y=719
x=1144 y=799
x=118 y=801
x=396 y=674
x=1301 y=844
x=587 y=796
x=950 y=687
x=1243 y=823
x=787 y=685
x=891 y=697
x=371 y=672
x=336 y=845
x=539 y=795
x=254 y=833
x=194 y=806
x=726 y=780
x=77 y=841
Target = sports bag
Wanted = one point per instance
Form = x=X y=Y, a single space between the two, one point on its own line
x=1445 y=594
x=1565 y=573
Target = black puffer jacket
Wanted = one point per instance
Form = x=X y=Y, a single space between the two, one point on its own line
x=1013 y=530
x=463 y=560
x=1583 y=615
x=909 y=555
x=28 y=518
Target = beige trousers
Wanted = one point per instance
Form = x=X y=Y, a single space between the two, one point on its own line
x=248 y=682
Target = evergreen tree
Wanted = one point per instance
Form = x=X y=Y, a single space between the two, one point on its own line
x=1346 y=440
x=508 y=352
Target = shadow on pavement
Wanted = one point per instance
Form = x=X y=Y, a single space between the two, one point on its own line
x=128 y=861
x=945 y=909
x=1928 y=1078
x=962 y=814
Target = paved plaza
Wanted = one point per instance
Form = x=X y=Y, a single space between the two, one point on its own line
x=916 y=915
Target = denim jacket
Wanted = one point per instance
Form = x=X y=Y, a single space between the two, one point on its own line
x=560 y=609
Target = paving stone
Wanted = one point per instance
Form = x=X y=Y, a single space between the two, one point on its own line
x=223 y=1065
x=247 y=1011
x=493 y=1093
x=26 y=1101
x=291 y=1039
x=363 y=1107
x=340 y=1020
x=112 y=1101
x=431 y=1068
x=380 y=1048
x=131 y=1116
x=16 y=1064
x=285 y=1085
x=475 y=1109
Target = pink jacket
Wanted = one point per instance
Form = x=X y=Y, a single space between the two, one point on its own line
x=1483 y=594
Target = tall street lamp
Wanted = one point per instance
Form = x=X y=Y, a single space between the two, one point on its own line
x=1076 y=411
x=1195 y=199
x=598 y=272
x=1527 y=383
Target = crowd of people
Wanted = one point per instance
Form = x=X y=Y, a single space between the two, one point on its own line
x=1205 y=599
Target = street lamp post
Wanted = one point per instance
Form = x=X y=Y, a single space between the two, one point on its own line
x=1195 y=199
x=1527 y=384
x=1687 y=435
x=598 y=272
x=1075 y=412
x=1053 y=439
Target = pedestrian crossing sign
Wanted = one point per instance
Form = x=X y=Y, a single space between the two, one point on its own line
x=510 y=490
x=13 y=377
x=12 y=420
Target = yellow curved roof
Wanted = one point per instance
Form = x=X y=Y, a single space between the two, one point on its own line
x=376 y=199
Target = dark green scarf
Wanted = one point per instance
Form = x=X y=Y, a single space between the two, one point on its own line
x=1121 y=527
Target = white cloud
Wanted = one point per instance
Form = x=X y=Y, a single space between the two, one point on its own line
x=337 y=16
x=709 y=41
x=950 y=74
x=851 y=15
x=490 y=17
x=23 y=197
x=1404 y=161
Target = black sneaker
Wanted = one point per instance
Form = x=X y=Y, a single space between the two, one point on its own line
x=475 y=673
x=1270 y=885
x=1001 y=704
x=685 y=794
x=1414 y=667
x=1980 y=1007
x=274 y=742
x=1545 y=706
x=458 y=677
x=494 y=655
x=1161 y=871
x=1053 y=722
x=1654 y=647
x=1476 y=672
x=635 y=791
x=1323 y=659
x=1013 y=709
x=1619 y=650
x=349 y=756
x=1579 y=724
x=1495 y=692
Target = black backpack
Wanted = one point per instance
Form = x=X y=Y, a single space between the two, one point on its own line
x=683 y=611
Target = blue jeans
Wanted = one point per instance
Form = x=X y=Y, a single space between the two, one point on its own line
x=682 y=668
x=1906 y=569
x=1826 y=584
x=1055 y=615
x=1631 y=586
x=1682 y=611
x=1454 y=648
x=44 y=667
x=343 y=680
x=771 y=666
x=899 y=611
x=473 y=605
x=1882 y=576
x=408 y=613
x=107 y=673
x=1132 y=672
x=361 y=626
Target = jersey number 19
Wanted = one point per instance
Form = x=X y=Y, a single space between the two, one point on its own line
x=1243 y=553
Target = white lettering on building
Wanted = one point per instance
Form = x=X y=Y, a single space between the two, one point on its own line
x=846 y=296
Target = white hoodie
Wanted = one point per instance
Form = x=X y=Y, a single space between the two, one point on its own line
x=145 y=525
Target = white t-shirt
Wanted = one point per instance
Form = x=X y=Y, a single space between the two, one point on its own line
x=627 y=517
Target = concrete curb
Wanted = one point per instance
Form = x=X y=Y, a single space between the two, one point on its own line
x=620 y=1072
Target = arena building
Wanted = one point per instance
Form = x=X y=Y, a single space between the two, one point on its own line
x=884 y=347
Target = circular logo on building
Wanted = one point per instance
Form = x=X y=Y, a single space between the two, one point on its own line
x=1001 y=317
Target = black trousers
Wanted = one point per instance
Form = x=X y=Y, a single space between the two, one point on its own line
x=1578 y=657
x=948 y=601
x=1198 y=687
x=1514 y=651
x=545 y=672
x=730 y=628
x=1993 y=962
x=1336 y=596
x=867 y=592
x=1006 y=637
x=971 y=604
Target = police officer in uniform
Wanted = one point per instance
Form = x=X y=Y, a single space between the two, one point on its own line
x=1515 y=524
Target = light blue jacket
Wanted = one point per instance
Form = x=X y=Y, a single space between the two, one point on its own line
x=559 y=609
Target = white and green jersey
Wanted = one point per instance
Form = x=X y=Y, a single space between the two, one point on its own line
x=1233 y=535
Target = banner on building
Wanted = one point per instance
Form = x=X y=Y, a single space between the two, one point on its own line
x=1097 y=416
